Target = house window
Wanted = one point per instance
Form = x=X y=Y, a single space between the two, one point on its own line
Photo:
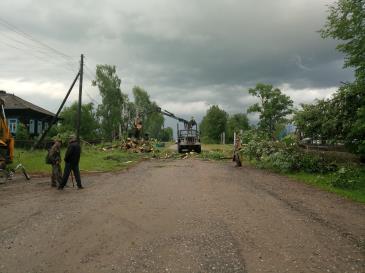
x=13 y=125
x=39 y=127
x=31 y=126
x=45 y=125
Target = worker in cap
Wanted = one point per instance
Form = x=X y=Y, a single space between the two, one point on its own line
x=72 y=159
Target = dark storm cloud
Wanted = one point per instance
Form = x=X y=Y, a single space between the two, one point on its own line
x=187 y=54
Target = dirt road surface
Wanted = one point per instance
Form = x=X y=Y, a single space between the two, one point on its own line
x=179 y=216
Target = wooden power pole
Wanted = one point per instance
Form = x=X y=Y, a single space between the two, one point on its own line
x=80 y=98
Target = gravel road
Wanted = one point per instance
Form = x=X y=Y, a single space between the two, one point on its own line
x=179 y=216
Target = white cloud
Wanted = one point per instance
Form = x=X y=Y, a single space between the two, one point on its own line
x=307 y=95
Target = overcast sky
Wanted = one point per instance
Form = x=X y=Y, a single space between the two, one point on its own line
x=187 y=54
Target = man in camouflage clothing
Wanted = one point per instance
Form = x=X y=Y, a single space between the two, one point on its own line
x=55 y=158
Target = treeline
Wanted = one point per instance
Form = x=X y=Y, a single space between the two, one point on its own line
x=340 y=119
x=114 y=117
x=273 y=108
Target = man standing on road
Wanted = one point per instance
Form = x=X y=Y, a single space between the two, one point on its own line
x=72 y=159
x=55 y=160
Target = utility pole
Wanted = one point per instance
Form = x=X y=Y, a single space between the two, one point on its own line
x=80 y=98
x=55 y=118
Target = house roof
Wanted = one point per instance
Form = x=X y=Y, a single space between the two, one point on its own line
x=14 y=102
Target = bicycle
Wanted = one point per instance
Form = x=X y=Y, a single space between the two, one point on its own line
x=8 y=173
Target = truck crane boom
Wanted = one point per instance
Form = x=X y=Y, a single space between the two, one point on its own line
x=188 y=139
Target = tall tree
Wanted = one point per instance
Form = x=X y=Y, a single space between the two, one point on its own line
x=89 y=129
x=236 y=123
x=113 y=100
x=214 y=123
x=152 y=120
x=273 y=107
x=346 y=23
x=167 y=134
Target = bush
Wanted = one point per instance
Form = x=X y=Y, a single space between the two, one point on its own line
x=283 y=161
x=345 y=178
x=316 y=164
x=285 y=156
x=22 y=132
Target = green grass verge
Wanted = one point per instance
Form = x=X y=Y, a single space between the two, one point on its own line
x=92 y=160
x=216 y=151
x=323 y=181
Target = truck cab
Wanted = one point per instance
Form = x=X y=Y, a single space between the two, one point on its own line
x=188 y=140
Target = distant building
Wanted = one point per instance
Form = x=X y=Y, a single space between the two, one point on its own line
x=17 y=110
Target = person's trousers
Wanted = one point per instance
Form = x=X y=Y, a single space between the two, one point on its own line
x=75 y=169
x=56 y=175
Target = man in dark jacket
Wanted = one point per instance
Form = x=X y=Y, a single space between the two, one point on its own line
x=72 y=159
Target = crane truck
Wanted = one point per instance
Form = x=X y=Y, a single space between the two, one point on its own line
x=188 y=139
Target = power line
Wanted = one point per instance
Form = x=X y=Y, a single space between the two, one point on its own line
x=36 y=53
x=30 y=37
x=33 y=43
x=39 y=58
x=39 y=46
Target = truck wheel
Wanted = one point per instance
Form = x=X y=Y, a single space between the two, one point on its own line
x=198 y=149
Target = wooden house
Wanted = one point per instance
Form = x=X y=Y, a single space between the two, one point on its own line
x=35 y=118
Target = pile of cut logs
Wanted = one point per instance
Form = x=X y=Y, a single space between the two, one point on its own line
x=137 y=146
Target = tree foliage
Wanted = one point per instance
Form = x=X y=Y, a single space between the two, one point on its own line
x=273 y=107
x=89 y=128
x=346 y=23
x=214 y=123
x=236 y=123
x=113 y=100
x=21 y=132
x=167 y=134
x=152 y=120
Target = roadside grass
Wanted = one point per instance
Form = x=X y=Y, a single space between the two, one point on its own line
x=323 y=181
x=216 y=152
x=92 y=160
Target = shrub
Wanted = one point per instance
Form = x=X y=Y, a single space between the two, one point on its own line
x=283 y=161
x=316 y=164
x=285 y=156
x=345 y=178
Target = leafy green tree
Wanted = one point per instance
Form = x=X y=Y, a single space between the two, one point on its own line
x=152 y=120
x=167 y=134
x=318 y=121
x=113 y=100
x=21 y=132
x=236 y=123
x=308 y=121
x=214 y=123
x=89 y=127
x=273 y=107
x=345 y=22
